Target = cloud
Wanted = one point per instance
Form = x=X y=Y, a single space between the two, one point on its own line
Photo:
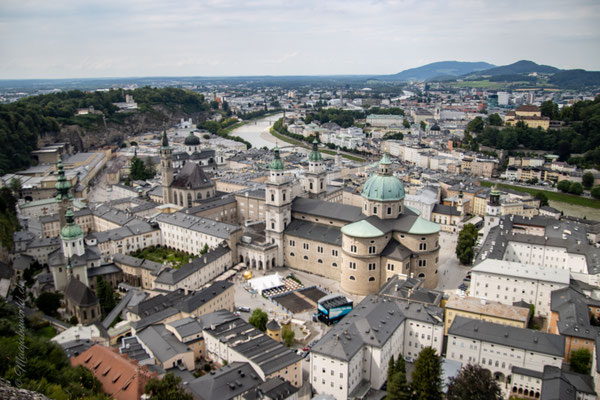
x=68 y=38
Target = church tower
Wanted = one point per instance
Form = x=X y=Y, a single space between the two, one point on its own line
x=315 y=182
x=166 y=168
x=278 y=205
x=63 y=192
x=71 y=237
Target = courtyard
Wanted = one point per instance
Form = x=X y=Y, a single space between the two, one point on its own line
x=161 y=255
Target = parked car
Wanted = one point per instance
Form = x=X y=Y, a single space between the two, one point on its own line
x=306 y=348
x=244 y=309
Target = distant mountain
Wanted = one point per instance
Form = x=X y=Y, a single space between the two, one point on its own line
x=520 y=67
x=443 y=69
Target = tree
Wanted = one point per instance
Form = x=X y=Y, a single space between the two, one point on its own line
x=473 y=383
x=564 y=185
x=204 y=250
x=596 y=192
x=576 y=188
x=423 y=125
x=494 y=120
x=48 y=302
x=476 y=125
x=587 y=180
x=580 y=361
x=427 y=376
x=259 y=319
x=15 y=185
x=467 y=238
x=405 y=123
x=137 y=171
x=167 y=388
x=398 y=387
x=106 y=296
x=541 y=196
x=133 y=143
x=288 y=335
x=391 y=369
x=549 y=109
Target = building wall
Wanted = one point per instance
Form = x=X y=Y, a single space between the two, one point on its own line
x=506 y=289
x=250 y=208
x=497 y=358
x=451 y=313
x=304 y=255
x=201 y=276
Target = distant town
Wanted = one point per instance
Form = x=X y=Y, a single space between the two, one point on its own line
x=327 y=238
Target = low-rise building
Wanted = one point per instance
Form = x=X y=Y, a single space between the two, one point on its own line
x=499 y=348
x=510 y=282
x=484 y=310
x=355 y=353
x=235 y=340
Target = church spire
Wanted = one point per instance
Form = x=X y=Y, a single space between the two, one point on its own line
x=165 y=140
x=62 y=185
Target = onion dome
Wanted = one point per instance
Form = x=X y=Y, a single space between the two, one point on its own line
x=191 y=140
x=315 y=155
x=276 y=164
x=71 y=230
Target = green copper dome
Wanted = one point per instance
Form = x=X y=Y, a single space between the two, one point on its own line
x=71 y=230
x=315 y=155
x=191 y=140
x=383 y=186
x=276 y=164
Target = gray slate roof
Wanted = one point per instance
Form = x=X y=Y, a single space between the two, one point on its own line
x=315 y=231
x=162 y=343
x=226 y=383
x=372 y=322
x=173 y=276
x=527 y=339
x=191 y=176
x=80 y=294
x=327 y=209
x=204 y=225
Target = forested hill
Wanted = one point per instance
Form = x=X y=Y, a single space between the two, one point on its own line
x=579 y=135
x=27 y=122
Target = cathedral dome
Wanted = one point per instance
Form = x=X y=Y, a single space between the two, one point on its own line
x=383 y=186
x=191 y=140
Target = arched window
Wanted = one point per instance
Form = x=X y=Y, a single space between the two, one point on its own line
x=374 y=209
x=272 y=197
x=371 y=279
x=189 y=200
x=321 y=184
x=334 y=265
x=283 y=196
x=199 y=196
x=306 y=257
x=311 y=185
x=352 y=278
x=292 y=254
x=421 y=275
x=389 y=210
x=320 y=261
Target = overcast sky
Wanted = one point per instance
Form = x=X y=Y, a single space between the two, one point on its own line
x=113 y=38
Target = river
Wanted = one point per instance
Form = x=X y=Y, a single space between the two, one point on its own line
x=257 y=132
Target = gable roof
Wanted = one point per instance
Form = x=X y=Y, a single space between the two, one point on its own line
x=121 y=378
x=229 y=382
x=521 y=338
x=191 y=176
x=80 y=294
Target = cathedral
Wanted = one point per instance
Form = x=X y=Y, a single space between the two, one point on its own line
x=191 y=183
x=361 y=247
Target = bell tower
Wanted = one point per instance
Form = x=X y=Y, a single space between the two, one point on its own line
x=315 y=181
x=166 y=168
x=278 y=205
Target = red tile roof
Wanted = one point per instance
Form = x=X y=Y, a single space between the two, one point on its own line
x=122 y=378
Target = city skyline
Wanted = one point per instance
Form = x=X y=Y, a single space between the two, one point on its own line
x=229 y=38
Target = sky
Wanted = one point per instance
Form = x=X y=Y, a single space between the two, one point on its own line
x=123 y=38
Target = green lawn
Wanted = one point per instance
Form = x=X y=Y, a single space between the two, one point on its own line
x=555 y=196
x=302 y=144
x=162 y=254
x=480 y=84
x=47 y=332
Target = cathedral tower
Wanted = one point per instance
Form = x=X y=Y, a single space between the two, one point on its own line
x=166 y=168
x=278 y=205
x=315 y=182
